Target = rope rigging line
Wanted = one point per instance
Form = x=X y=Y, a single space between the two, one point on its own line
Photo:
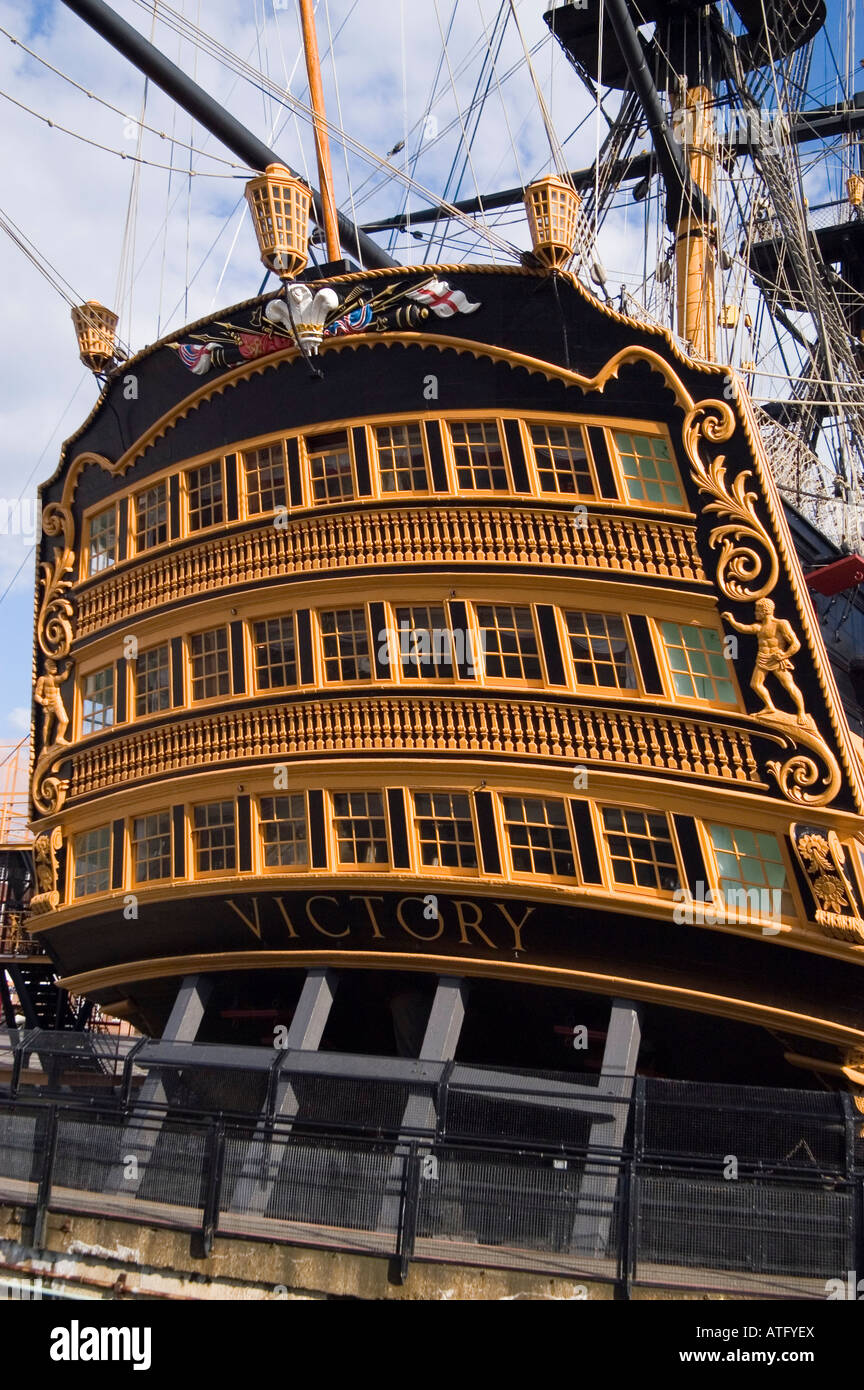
x=229 y=59
x=109 y=149
x=44 y=265
x=154 y=130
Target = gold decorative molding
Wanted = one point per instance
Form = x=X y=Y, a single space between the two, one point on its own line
x=405 y=724
x=372 y=536
x=594 y=982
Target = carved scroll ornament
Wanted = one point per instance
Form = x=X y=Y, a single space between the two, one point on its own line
x=747 y=571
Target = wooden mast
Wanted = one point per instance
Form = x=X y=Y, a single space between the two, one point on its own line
x=695 y=253
x=322 y=143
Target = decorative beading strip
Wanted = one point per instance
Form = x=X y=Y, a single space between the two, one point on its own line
x=623 y=738
x=416 y=536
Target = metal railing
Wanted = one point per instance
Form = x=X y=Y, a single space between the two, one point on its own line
x=715 y=1187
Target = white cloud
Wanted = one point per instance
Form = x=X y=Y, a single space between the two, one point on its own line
x=19 y=719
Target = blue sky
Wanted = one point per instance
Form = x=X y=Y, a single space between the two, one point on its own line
x=190 y=249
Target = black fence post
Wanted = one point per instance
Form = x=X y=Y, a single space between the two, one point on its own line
x=215 y=1173
x=408 y=1208
x=443 y=1099
x=43 y=1194
x=853 y=1120
x=630 y=1214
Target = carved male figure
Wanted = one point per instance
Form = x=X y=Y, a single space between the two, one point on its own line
x=47 y=694
x=777 y=644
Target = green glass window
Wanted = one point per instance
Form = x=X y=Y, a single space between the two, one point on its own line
x=650 y=474
x=698 y=665
x=751 y=859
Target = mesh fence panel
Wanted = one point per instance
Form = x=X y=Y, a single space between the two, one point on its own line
x=691 y=1230
x=329 y=1192
x=176 y=1170
x=21 y=1132
x=345 y=1103
x=88 y=1155
x=777 y=1129
x=498 y=1200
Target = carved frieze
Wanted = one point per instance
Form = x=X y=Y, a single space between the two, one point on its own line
x=837 y=907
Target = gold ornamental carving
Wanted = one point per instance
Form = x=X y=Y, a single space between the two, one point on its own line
x=55 y=720
x=823 y=860
x=45 y=850
x=747 y=566
x=55 y=631
x=748 y=569
x=55 y=621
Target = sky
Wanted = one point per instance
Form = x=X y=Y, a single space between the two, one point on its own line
x=165 y=247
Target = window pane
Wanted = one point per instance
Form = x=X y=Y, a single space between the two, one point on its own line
x=346 y=645
x=153 y=681
x=750 y=870
x=210 y=671
x=643 y=855
x=97 y=700
x=330 y=466
x=508 y=642
x=266 y=479
x=538 y=836
x=401 y=460
x=102 y=550
x=445 y=830
x=92 y=862
x=361 y=829
x=479 y=458
x=699 y=668
x=204 y=489
x=649 y=470
x=151 y=846
x=426 y=644
x=151 y=517
x=214 y=837
x=284 y=834
x=275 y=653
x=601 y=650
x=562 y=460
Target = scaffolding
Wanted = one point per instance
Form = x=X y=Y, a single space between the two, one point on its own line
x=14 y=804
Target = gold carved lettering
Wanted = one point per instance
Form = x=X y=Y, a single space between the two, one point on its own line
x=254 y=927
x=516 y=927
x=323 y=898
x=405 y=927
x=358 y=898
x=459 y=903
